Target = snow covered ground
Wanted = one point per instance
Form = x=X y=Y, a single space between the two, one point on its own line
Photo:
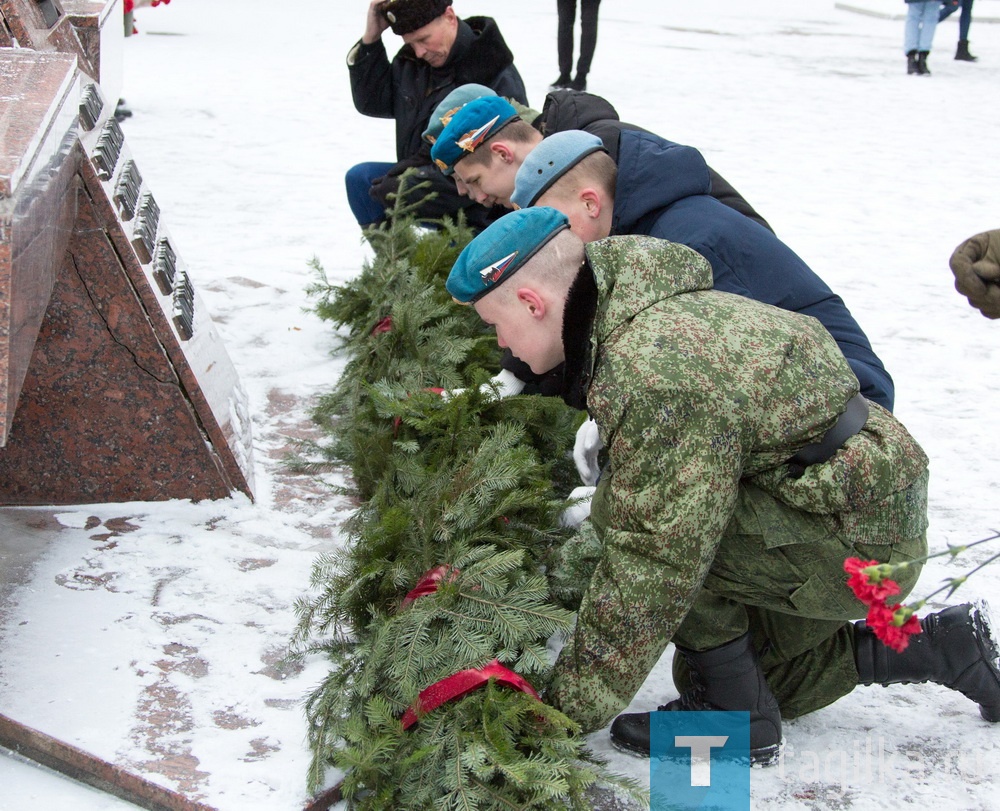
x=150 y=633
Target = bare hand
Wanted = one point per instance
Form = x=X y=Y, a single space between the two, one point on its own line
x=375 y=24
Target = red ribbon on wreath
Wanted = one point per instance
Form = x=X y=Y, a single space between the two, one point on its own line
x=461 y=683
x=429 y=583
x=385 y=325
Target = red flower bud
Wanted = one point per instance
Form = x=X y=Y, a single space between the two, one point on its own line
x=893 y=625
x=868 y=591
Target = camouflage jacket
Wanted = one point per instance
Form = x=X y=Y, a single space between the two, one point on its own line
x=698 y=393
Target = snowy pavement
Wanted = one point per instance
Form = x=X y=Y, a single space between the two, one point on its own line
x=151 y=634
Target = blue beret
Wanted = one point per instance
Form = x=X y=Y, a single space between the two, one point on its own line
x=501 y=250
x=549 y=161
x=450 y=105
x=468 y=128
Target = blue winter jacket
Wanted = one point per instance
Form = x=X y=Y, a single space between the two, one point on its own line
x=663 y=191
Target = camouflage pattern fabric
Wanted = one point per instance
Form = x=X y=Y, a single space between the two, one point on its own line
x=701 y=398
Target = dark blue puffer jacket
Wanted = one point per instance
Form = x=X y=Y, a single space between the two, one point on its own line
x=663 y=191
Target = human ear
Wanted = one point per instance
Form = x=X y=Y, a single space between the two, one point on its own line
x=591 y=202
x=502 y=151
x=531 y=301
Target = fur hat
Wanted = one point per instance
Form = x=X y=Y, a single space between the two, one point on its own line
x=405 y=16
x=497 y=253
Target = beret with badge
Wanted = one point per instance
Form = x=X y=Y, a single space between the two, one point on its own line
x=478 y=120
x=549 y=161
x=406 y=16
x=450 y=105
x=499 y=251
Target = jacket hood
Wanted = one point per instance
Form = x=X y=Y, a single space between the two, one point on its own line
x=573 y=110
x=654 y=173
x=635 y=272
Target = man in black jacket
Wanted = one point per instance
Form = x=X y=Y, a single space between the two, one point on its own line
x=440 y=53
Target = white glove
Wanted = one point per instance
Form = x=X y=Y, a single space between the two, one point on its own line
x=504 y=384
x=579 y=509
x=588 y=444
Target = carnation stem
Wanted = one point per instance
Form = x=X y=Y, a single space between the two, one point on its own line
x=951 y=584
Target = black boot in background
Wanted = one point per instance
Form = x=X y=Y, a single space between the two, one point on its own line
x=911 y=62
x=725 y=678
x=962 y=54
x=922 y=68
x=955 y=648
x=564 y=81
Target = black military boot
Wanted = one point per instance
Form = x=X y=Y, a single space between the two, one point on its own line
x=922 y=68
x=911 y=62
x=955 y=648
x=725 y=678
x=962 y=54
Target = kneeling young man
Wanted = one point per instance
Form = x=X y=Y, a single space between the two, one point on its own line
x=744 y=468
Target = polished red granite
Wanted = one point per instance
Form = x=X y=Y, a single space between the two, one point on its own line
x=191 y=341
x=128 y=392
x=28 y=23
x=98 y=27
x=91 y=30
x=103 y=416
x=39 y=158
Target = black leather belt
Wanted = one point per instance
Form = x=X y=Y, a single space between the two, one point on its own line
x=847 y=425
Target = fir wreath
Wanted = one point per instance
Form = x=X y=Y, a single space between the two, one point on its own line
x=459 y=495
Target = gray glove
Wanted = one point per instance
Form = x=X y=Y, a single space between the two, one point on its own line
x=976 y=265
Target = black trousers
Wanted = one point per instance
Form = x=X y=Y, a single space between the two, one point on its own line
x=588 y=35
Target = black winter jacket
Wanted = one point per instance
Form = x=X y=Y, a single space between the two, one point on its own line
x=408 y=89
x=577 y=110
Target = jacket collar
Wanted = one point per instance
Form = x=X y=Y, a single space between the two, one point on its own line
x=620 y=277
x=463 y=41
x=578 y=324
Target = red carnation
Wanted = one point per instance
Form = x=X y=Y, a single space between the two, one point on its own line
x=893 y=625
x=870 y=592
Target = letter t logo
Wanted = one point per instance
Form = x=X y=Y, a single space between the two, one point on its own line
x=701 y=755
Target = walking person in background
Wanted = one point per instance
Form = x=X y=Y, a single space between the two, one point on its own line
x=588 y=41
x=948 y=8
x=921 y=20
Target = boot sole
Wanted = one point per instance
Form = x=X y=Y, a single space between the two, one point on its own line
x=767 y=756
x=759 y=758
x=983 y=617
